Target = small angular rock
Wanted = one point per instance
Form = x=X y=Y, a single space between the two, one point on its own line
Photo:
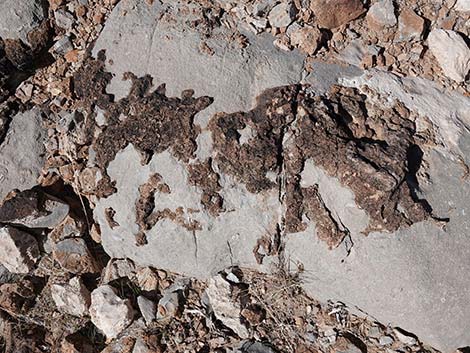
x=18 y=250
x=381 y=15
x=33 y=209
x=307 y=39
x=451 y=52
x=74 y=256
x=118 y=268
x=148 y=308
x=225 y=308
x=334 y=13
x=169 y=305
x=410 y=25
x=281 y=15
x=71 y=298
x=110 y=313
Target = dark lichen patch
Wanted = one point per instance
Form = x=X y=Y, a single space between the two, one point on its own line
x=366 y=148
x=202 y=175
x=148 y=119
x=145 y=205
x=250 y=162
x=109 y=213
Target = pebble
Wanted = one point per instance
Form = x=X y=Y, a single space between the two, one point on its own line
x=451 y=52
x=462 y=5
x=19 y=250
x=110 y=313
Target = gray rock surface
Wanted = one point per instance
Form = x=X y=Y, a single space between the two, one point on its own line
x=452 y=53
x=462 y=5
x=109 y=312
x=171 y=246
x=18 y=18
x=382 y=13
x=21 y=170
x=413 y=278
x=18 y=250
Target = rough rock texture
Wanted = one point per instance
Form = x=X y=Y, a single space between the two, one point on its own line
x=33 y=209
x=74 y=256
x=72 y=298
x=18 y=250
x=109 y=312
x=381 y=15
x=225 y=309
x=21 y=171
x=452 y=53
x=334 y=13
x=19 y=18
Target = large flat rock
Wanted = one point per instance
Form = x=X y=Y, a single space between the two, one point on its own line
x=412 y=276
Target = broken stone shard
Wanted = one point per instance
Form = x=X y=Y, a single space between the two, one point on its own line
x=225 y=308
x=381 y=15
x=451 y=52
x=74 y=256
x=72 y=298
x=18 y=250
x=148 y=308
x=410 y=25
x=334 y=13
x=169 y=305
x=21 y=170
x=33 y=209
x=109 y=312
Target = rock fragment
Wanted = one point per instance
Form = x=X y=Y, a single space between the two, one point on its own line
x=71 y=298
x=21 y=170
x=110 y=313
x=334 y=13
x=74 y=256
x=404 y=337
x=381 y=15
x=118 y=268
x=307 y=39
x=225 y=308
x=33 y=209
x=410 y=25
x=451 y=52
x=169 y=305
x=148 y=308
x=18 y=250
x=281 y=15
